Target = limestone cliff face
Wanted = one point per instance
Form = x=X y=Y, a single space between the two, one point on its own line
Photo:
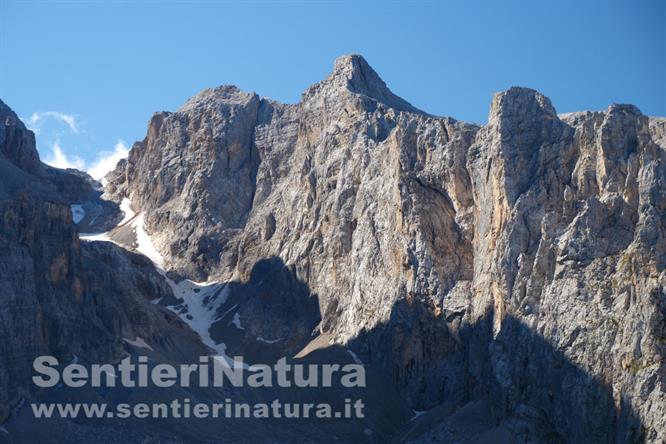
x=523 y=258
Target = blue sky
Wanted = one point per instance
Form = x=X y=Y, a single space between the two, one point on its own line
x=88 y=75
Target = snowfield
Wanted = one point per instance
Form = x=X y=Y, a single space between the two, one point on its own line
x=200 y=300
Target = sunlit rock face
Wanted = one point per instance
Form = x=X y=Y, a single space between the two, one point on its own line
x=433 y=245
x=511 y=274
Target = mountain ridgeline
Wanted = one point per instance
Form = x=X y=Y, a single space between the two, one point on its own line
x=507 y=278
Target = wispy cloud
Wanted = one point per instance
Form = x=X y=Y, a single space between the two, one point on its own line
x=53 y=136
x=107 y=160
x=59 y=159
x=36 y=118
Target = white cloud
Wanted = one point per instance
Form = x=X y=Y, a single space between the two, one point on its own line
x=34 y=121
x=104 y=162
x=59 y=159
x=107 y=160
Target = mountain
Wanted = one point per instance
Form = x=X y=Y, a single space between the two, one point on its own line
x=507 y=279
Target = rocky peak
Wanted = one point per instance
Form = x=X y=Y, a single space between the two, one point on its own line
x=624 y=108
x=225 y=94
x=522 y=134
x=352 y=73
x=517 y=104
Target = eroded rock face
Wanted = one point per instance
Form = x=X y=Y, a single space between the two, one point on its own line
x=524 y=258
x=212 y=137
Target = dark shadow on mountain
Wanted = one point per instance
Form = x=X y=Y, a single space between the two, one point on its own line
x=473 y=386
x=464 y=382
x=271 y=315
x=274 y=304
x=430 y=378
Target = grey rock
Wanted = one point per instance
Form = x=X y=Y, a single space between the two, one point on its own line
x=465 y=260
x=507 y=278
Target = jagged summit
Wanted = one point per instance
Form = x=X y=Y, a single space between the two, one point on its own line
x=353 y=73
x=625 y=108
x=521 y=103
x=413 y=231
x=229 y=94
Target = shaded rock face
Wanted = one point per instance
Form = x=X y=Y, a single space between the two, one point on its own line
x=555 y=223
x=70 y=299
x=16 y=143
x=275 y=305
x=59 y=296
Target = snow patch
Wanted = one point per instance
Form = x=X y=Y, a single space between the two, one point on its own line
x=236 y=321
x=227 y=312
x=126 y=208
x=199 y=310
x=78 y=213
x=139 y=343
x=145 y=244
x=200 y=300
x=104 y=237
